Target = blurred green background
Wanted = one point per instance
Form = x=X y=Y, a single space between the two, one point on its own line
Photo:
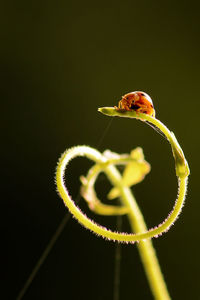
x=60 y=61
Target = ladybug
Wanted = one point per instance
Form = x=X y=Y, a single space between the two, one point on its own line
x=137 y=101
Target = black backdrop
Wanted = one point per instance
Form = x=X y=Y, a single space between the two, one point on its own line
x=60 y=61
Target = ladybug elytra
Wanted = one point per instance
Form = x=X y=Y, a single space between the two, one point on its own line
x=137 y=101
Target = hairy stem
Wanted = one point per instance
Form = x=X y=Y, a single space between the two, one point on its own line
x=141 y=234
x=116 y=179
x=145 y=247
x=181 y=165
x=146 y=250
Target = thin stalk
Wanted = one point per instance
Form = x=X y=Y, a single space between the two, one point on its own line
x=182 y=168
x=90 y=224
x=43 y=257
x=145 y=247
x=141 y=233
x=146 y=250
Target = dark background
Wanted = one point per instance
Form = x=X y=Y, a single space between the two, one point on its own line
x=60 y=61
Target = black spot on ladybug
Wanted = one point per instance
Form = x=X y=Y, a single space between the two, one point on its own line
x=134 y=106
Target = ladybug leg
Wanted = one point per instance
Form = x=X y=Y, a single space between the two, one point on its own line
x=119 y=107
x=143 y=109
x=146 y=110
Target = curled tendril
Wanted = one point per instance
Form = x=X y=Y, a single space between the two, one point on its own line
x=135 y=170
x=103 y=163
x=106 y=163
x=89 y=194
x=181 y=165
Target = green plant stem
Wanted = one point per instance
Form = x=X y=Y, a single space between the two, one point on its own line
x=145 y=247
x=181 y=165
x=141 y=234
x=139 y=228
x=146 y=250
x=90 y=224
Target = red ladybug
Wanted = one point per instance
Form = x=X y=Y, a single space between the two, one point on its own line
x=137 y=101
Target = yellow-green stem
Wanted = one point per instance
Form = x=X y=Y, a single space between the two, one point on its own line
x=138 y=225
x=146 y=250
x=141 y=234
x=90 y=224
